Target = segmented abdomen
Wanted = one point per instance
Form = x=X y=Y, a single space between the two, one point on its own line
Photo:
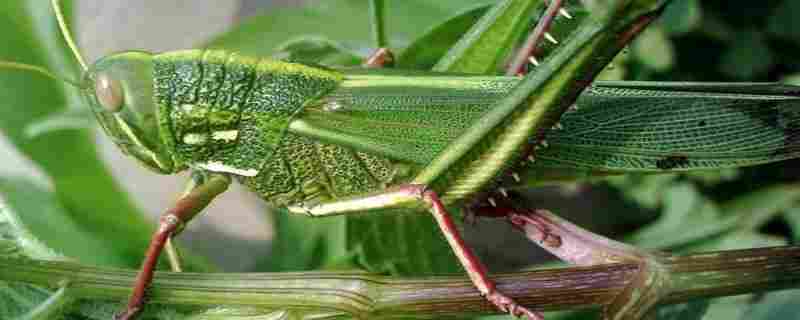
x=304 y=170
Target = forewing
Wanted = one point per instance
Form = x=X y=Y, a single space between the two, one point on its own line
x=407 y=118
x=616 y=127
x=626 y=127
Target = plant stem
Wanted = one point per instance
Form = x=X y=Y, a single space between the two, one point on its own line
x=378 y=13
x=694 y=276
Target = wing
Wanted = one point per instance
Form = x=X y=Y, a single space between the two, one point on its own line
x=636 y=126
x=617 y=127
x=407 y=118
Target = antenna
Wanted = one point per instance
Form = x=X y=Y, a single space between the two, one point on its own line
x=42 y=71
x=65 y=32
x=36 y=69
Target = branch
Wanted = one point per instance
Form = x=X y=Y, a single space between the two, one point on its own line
x=694 y=276
x=377 y=9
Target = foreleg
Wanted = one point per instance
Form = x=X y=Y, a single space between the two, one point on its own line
x=205 y=189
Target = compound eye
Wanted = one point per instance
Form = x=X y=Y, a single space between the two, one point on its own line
x=108 y=92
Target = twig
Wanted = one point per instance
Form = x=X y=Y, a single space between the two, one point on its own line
x=368 y=296
x=377 y=10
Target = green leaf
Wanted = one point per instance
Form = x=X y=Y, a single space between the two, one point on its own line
x=82 y=184
x=646 y=190
x=43 y=228
x=715 y=27
x=687 y=217
x=344 y=21
x=792 y=79
x=104 y=310
x=654 y=49
x=749 y=57
x=616 y=70
x=792 y=217
x=755 y=209
x=400 y=243
x=690 y=219
x=692 y=310
x=426 y=50
x=729 y=308
x=682 y=16
x=33 y=225
x=491 y=39
x=740 y=239
x=72 y=118
x=18 y=239
x=784 y=23
x=50 y=308
x=316 y=50
x=304 y=243
x=18 y=299
x=771 y=306
x=776 y=306
x=713 y=177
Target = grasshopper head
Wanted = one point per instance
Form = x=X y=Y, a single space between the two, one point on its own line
x=119 y=89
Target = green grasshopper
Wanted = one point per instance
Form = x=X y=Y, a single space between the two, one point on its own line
x=324 y=142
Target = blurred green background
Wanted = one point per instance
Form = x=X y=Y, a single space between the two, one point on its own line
x=85 y=200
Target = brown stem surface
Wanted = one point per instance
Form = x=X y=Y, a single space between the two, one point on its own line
x=704 y=275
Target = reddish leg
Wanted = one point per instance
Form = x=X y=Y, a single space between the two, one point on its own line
x=563 y=239
x=412 y=195
x=535 y=226
x=581 y=247
x=529 y=49
x=170 y=223
x=475 y=269
x=381 y=58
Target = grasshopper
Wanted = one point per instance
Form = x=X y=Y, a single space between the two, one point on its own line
x=324 y=142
